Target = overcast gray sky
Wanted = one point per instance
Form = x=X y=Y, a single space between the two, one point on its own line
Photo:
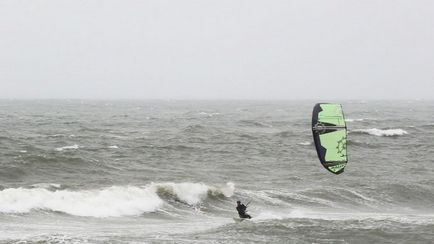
x=225 y=49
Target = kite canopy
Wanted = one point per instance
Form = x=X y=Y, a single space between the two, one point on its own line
x=330 y=136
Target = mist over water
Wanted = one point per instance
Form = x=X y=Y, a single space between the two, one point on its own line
x=75 y=171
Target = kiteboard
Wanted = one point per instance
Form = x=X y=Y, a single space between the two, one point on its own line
x=330 y=136
x=239 y=220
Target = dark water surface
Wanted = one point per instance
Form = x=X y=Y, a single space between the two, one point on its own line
x=171 y=171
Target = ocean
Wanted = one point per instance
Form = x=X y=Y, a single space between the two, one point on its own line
x=83 y=171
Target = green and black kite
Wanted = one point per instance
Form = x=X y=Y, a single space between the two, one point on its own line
x=330 y=136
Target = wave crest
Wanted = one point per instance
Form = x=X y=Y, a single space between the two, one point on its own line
x=359 y=119
x=305 y=143
x=380 y=132
x=115 y=201
x=192 y=193
x=73 y=147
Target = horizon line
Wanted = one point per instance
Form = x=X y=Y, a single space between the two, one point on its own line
x=220 y=99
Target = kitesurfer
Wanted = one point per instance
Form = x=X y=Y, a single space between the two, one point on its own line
x=241 y=208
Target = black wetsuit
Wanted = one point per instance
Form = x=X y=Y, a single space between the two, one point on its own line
x=241 y=208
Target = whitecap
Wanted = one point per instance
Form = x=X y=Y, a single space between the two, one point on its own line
x=209 y=114
x=56 y=135
x=380 y=132
x=190 y=193
x=46 y=185
x=358 y=119
x=73 y=147
x=193 y=193
x=115 y=201
x=268 y=215
x=306 y=143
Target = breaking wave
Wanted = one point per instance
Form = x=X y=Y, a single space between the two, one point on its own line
x=115 y=201
x=192 y=193
x=380 y=132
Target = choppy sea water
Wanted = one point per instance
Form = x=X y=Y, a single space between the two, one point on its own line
x=171 y=172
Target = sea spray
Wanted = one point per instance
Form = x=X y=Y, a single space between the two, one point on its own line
x=192 y=193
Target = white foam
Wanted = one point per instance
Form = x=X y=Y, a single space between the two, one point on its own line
x=190 y=193
x=56 y=135
x=306 y=143
x=113 y=147
x=227 y=190
x=379 y=132
x=351 y=215
x=193 y=193
x=399 y=217
x=269 y=216
x=358 y=119
x=73 y=147
x=109 y=202
x=46 y=185
x=353 y=120
x=113 y=201
x=209 y=114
